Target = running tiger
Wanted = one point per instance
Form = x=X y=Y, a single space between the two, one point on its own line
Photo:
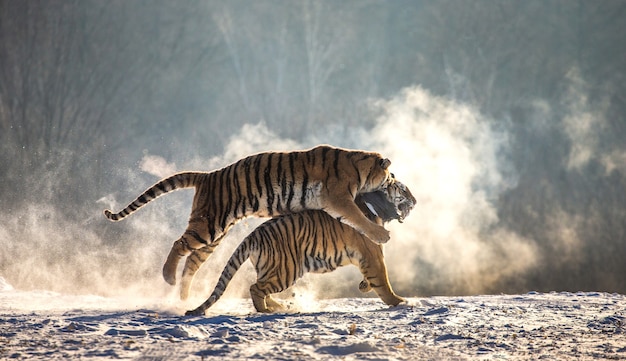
x=269 y=184
x=284 y=248
x=377 y=200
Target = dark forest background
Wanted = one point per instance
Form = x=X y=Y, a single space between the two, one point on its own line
x=88 y=88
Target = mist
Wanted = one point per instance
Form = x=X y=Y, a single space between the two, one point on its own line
x=506 y=120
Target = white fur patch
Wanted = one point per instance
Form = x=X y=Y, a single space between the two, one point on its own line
x=371 y=208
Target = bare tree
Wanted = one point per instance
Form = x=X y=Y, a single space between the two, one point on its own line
x=77 y=77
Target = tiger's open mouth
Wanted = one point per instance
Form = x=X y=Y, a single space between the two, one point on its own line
x=403 y=210
x=401 y=198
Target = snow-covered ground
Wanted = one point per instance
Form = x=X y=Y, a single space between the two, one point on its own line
x=45 y=325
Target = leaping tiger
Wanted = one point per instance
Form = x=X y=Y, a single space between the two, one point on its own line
x=269 y=184
x=284 y=248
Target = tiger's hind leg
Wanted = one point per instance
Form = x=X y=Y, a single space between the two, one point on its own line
x=260 y=293
x=196 y=236
x=273 y=304
x=258 y=298
x=178 y=251
x=192 y=264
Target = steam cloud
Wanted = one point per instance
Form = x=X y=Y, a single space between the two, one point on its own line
x=449 y=155
x=453 y=158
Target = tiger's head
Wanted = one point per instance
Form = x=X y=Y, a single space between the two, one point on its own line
x=393 y=202
x=376 y=169
x=400 y=195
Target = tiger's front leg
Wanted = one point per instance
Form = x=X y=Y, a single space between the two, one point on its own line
x=345 y=210
x=375 y=276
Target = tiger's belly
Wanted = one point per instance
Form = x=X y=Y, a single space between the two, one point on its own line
x=291 y=198
x=327 y=262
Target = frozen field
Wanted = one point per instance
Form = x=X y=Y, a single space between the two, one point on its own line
x=43 y=325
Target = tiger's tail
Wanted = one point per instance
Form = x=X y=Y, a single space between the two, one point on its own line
x=174 y=182
x=238 y=258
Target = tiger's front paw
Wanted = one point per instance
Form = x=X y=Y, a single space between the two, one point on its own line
x=379 y=235
x=393 y=299
x=365 y=286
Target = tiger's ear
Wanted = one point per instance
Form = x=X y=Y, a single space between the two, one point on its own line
x=385 y=163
